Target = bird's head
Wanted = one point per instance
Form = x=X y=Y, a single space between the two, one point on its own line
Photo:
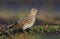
x=33 y=11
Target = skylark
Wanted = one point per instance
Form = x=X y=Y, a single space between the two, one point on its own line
x=27 y=21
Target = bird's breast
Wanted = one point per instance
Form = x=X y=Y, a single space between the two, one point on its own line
x=28 y=24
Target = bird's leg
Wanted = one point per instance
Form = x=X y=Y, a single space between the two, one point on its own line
x=29 y=29
x=24 y=31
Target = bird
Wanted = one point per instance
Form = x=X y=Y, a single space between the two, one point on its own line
x=27 y=21
x=24 y=23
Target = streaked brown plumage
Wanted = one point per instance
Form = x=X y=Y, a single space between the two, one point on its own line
x=24 y=23
x=27 y=21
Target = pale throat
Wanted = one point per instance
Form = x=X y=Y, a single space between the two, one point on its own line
x=33 y=14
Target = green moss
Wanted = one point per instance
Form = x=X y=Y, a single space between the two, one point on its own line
x=46 y=28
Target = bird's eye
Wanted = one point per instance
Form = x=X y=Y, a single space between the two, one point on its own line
x=33 y=9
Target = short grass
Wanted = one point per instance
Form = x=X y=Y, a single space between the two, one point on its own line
x=46 y=28
x=41 y=29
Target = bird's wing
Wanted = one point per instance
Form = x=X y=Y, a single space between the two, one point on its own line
x=24 y=20
x=20 y=23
